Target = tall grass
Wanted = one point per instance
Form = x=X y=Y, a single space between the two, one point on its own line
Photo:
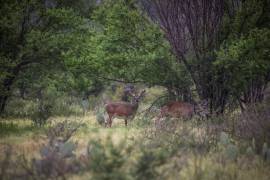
x=16 y=127
x=178 y=149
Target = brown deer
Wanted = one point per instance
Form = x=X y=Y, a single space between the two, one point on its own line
x=178 y=109
x=125 y=110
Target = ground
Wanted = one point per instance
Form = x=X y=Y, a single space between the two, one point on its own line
x=183 y=158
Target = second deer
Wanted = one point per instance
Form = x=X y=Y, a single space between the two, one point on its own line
x=178 y=109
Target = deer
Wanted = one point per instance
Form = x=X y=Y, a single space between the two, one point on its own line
x=125 y=110
x=179 y=109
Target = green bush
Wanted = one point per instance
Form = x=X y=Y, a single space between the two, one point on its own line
x=42 y=114
x=56 y=158
x=108 y=161
x=148 y=162
x=20 y=108
x=254 y=125
x=51 y=106
x=100 y=116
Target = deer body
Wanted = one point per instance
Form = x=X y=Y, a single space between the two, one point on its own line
x=178 y=109
x=123 y=110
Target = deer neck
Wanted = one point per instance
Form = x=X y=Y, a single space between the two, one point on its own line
x=135 y=106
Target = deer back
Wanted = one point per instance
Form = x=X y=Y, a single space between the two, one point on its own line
x=121 y=108
x=177 y=109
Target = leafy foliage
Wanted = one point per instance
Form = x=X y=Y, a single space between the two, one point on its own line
x=36 y=42
x=108 y=161
x=128 y=46
x=246 y=61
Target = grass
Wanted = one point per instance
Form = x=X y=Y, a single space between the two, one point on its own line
x=182 y=162
x=22 y=134
x=17 y=131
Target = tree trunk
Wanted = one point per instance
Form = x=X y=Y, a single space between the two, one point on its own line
x=7 y=83
x=6 y=93
x=3 y=102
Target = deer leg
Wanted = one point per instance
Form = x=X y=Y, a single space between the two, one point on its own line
x=126 y=122
x=106 y=119
x=110 y=121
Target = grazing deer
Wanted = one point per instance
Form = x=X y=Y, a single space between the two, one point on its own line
x=178 y=109
x=123 y=110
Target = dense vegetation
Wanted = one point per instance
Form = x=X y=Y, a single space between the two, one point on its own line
x=65 y=59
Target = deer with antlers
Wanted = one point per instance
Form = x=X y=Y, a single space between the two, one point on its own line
x=125 y=110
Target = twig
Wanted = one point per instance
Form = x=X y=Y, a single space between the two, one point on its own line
x=148 y=109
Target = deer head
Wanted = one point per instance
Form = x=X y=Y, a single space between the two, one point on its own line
x=137 y=98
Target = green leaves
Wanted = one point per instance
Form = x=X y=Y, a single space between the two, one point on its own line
x=245 y=59
x=127 y=45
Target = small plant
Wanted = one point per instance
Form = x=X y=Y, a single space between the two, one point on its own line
x=100 y=116
x=228 y=149
x=57 y=158
x=62 y=131
x=107 y=161
x=148 y=162
x=41 y=116
x=254 y=124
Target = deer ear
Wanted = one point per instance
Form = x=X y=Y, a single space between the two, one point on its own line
x=143 y=92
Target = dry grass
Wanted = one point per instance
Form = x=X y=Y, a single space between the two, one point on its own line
x=30 y=142
x=182 y=165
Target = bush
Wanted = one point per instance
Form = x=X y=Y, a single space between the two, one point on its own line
x=20 y=108
x=173 y=133
x=56 y=158
x=108 y=161
x=42 y=114
x=101 y=116
x=254 y=124
x=40 y=110
x=148 y=163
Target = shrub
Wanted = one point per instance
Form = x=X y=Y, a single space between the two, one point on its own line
x=178 y=134
x=107 y=161
x=42 y=114
x=147 y=164
x=227 y=148
x=56 y=158
x=100 y=116
x=61 y=105
x=254 y=124
x=21 y=108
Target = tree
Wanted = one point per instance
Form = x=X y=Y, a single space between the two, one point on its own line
x=36 y=34
x=127 y=47
x=246 y=64
x=244 y=51
x=192 y=29
x=196 y=29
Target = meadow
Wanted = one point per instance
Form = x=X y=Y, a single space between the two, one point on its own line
x=191 y=79
x=85 y=149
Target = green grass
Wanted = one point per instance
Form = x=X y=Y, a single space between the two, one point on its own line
x=17 y=127
x=179 y=160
